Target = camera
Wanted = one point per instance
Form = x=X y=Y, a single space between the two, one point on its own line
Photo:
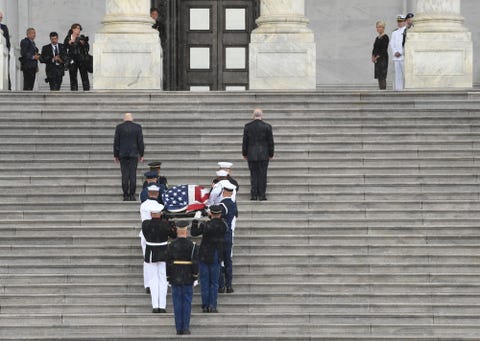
x=83 y=38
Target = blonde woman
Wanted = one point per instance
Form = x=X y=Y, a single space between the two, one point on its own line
x=380 y=55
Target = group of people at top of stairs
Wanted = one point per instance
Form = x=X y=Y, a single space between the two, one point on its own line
x=397 y=46
x=167 y=212
x=73 y=55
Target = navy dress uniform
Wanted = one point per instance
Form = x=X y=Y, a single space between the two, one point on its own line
x=210 y=256
x=229 y=214
x=182 y=272
x=156 y=232
x=152 y=179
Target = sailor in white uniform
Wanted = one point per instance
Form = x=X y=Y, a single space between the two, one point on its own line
x=396 y=45
x=145 y=208
x=217 y=190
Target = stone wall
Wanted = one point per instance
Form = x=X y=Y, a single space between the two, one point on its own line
x=345 y=32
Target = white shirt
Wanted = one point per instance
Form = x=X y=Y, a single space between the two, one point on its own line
x=216 y=195
x=396 y=43
x=147 y=206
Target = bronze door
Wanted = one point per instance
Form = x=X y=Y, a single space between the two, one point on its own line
x=207 y=43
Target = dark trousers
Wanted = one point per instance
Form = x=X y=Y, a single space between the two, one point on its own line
x=29 y=78
x=182 y=306
x=226 y=273
x=209 y=276
x=258 y=177
x=73 y=70
x=55 y=78
x=128 y=167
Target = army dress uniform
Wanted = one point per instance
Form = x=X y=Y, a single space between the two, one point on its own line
x=156 y=232
x=182 y=271
x=210 y=256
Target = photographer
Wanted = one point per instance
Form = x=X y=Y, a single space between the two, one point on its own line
x=78 y=58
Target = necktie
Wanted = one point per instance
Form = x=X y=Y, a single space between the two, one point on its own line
x=55 y=48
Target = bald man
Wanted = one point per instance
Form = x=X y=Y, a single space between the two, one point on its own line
x=128 y=149
x=258 y=149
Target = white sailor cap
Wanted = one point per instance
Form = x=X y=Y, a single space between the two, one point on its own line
x=153 y=206
x=400 y=17
x=227 y=185
x=225 y=165
x=153 y=188
x=221 y=172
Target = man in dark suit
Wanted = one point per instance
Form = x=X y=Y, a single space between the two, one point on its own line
x=53 y=56
x=128 y=148
x=6 y=34
x=258 y=149
x=29 y=59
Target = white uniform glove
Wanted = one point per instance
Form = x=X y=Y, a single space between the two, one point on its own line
x=195 y=283
x=197 y=215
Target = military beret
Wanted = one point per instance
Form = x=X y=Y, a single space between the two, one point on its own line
x=409 y=15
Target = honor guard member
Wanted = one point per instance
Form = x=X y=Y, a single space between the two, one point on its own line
x=152 y=179
x=145 y=209
x=156 y=232
x=408 y=25
x=396 y=45
x=210 y=256
x=215 y=196
x=155 y=167
x=182 y=272
x=227 y=167
x=229 y=213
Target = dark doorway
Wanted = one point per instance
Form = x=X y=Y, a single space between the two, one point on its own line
x=206 y=42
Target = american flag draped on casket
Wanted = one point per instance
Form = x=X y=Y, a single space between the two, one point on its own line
x=185 y=198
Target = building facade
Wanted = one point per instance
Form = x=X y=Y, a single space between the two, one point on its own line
x=338 y=36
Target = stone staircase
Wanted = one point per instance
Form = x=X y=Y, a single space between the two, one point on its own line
x=371 y=231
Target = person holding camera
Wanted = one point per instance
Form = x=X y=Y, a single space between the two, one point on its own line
x=78 y=58
x=53 y=56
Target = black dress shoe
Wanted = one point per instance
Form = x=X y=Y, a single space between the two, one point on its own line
x=263 y=199
x=156 y=310
x=186 y=332
x=132 y=198
x=179 y=332
x=147 y=291
x=213 y=310
x=126 y=198
x=253 y=198
x=229 y=290
x=163 y=311
x=221 y=290
x=205 y=310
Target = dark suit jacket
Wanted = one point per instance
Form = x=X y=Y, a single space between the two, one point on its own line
x=6 y=34
x=128 y=140
x=46 y=57
x=27 y=51
x=258 y=141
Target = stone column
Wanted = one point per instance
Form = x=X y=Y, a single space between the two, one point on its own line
x=127 y=52
x=282 y=48
x=438 y=49
x=3 y=62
